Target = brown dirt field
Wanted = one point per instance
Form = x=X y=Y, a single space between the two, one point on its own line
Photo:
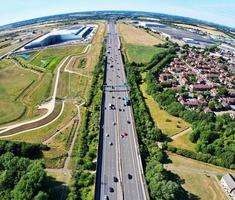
x=133 y=35
x=206 y=29
x=180 y=161
x=94 y=52
x=205 y=187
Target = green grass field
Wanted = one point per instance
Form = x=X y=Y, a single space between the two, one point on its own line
x=169 y=124
x=13 y=83
x=74 y=86
x=49 y=58
x=141 y=54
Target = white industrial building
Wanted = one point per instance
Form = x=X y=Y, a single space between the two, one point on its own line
x=79 y=33
x=228 y=184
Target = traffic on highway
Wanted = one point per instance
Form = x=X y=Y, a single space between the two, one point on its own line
x=121 y=174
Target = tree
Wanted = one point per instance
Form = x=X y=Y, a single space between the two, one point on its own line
x=212 y=105
x=222 y=91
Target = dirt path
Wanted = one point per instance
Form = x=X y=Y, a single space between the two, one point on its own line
x=181 y=133
x=65 y=170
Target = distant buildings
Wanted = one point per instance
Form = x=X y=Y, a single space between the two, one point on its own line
x=80 y=33
x=203 y=81
x=228 y=184
x=175 y=34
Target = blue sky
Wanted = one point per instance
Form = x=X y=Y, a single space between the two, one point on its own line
x=219 y=11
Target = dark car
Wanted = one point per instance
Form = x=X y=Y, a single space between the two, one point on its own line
x=115 y=179
x=129 y=176
x=111 y=189
x=128 y=121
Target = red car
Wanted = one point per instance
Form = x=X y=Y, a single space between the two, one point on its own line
x=125 y=134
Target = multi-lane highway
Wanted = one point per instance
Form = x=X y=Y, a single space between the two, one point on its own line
x=119 y=171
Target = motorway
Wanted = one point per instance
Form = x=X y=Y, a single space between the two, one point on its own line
x=119 y=154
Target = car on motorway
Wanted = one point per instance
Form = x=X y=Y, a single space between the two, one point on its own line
x=106 y=197
x=111 y=189
x=125 y=134
x=114 y=123
x=129 y=176
x=110 y=143
x=107 y=135
x=115 y=179
x=128 y=121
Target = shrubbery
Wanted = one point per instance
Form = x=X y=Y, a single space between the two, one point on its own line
x=20 y=177
x=86 y=151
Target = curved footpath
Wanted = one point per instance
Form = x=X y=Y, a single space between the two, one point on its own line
x=51 y=115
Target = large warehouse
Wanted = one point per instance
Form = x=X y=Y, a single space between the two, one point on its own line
x=79 y=33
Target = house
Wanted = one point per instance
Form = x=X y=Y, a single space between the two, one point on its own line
x=200 y=87
x=192 y=103
x=165 y=77
x=228 y=102
x=228 y=184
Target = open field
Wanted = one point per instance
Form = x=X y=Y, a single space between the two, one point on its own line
x=206 y=29
x=10 y=48
x=49 y=58
x=38 y=94
x=199 y=178
x=137 y=36
x=13 y=84
x=74 y=86
x=184 y=163
x=85 y=63
x=203 y=186
x=59 y=146
x=169 y=124
x=41 y=134
x=183 y=142
x=141 y=54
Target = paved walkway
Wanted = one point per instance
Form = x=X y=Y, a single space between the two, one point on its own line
x=181 y=133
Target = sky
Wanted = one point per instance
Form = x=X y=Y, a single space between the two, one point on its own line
x=218 y=11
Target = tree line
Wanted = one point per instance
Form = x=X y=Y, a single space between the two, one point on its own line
x=162 y=184
x=86 y=152
x=21 y=177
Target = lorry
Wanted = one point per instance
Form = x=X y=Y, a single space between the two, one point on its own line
x=126 y=101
